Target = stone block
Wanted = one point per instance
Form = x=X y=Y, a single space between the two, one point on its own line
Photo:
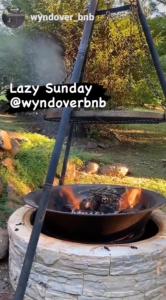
x=75 y=271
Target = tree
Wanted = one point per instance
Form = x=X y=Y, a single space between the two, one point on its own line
x=118 y=57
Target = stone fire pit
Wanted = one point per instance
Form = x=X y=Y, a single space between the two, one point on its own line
x=73 y=271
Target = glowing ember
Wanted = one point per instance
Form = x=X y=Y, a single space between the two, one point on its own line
x=103 y=201
x=130 y=199
x=71 y=197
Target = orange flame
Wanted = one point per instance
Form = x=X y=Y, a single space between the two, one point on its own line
x=130 y=199
x=69 y=194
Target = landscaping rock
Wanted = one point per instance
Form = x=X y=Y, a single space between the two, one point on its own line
x=17 y=136
x=92 y=168
x=4 y=243
x=118 y=170
x=5 y=141
x=9 y=164
x=15 y=147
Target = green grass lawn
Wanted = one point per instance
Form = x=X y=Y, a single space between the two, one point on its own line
x=142 y=148
x=11 y=123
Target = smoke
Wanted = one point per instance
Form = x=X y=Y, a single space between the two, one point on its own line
x=46 y=59
x=29 y=58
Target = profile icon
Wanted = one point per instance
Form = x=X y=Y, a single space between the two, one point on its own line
x=13 y=17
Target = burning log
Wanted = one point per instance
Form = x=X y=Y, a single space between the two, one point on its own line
x=71 y=198
x=130 y=199
x=103 y=200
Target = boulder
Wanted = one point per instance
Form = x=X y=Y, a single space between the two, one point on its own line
x=15 y=147
x=118 y=170
x=9 y=164
x=17 y=136
x=4 y=243
x=5 y=141
x=92 y=168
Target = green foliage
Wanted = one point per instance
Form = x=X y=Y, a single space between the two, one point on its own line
x=32 y=161
x=81 y=156
x=77 y=161
x=3 y=98
x=163 y=62
x=144 y=150
x=122 y=63
x=158 y=27
x=118 y=57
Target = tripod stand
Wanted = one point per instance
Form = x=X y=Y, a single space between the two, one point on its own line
x=67 y=125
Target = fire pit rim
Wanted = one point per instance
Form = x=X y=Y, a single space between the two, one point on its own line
x=159 y=204
x=25 y=226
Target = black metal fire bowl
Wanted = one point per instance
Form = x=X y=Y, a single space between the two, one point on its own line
x=95 y=227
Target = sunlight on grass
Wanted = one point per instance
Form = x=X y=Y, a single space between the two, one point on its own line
x=153 y=184
x=3 y=98
x=148 y=128
x=145 y=162
x=33 y=159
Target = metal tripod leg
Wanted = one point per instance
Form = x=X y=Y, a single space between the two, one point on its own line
x=152 y=49
x=66 y=156
x=40 y=215
x=64 y=125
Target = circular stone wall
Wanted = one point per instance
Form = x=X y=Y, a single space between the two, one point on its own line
x=73 y=271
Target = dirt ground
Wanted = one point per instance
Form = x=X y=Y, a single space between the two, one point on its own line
x=6 y=291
